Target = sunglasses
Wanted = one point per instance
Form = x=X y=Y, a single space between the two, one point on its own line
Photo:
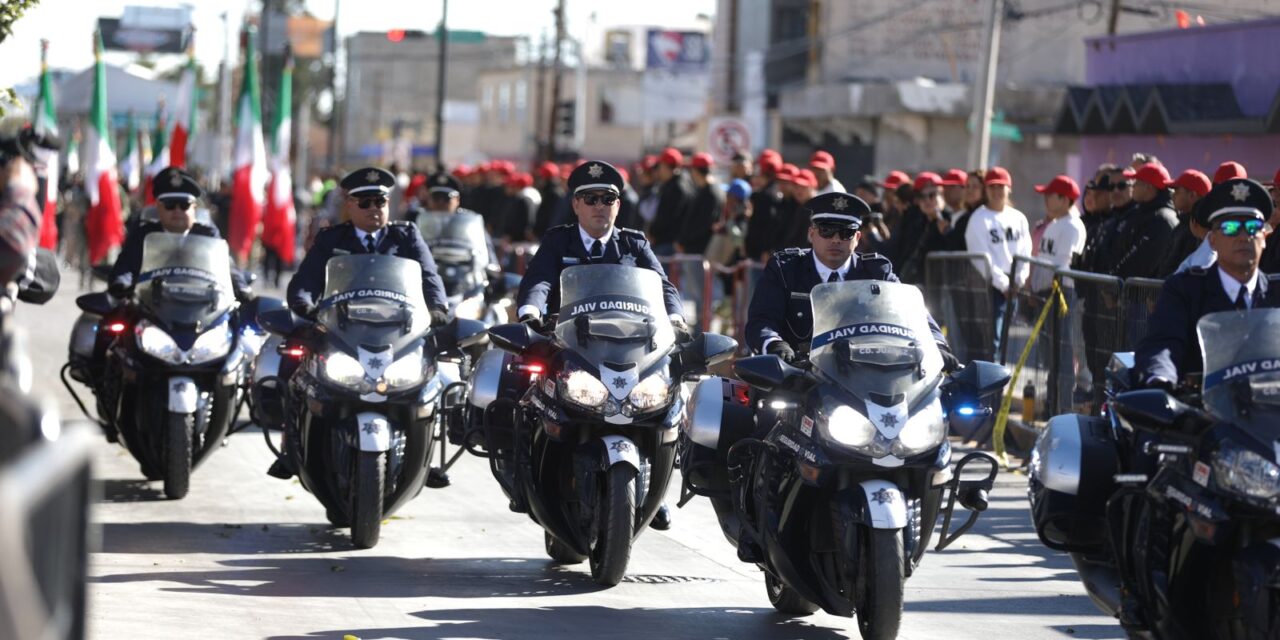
x=828 y=232
x=375 y=201
x=176 y=205
x=1232 y=228
x=606 y=199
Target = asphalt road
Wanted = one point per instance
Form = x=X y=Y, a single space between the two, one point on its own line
x=249 y=556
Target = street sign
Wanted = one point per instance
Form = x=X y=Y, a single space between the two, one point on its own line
x=686 y=51
x=727 y=136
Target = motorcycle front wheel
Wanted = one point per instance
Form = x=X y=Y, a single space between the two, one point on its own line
x=614 y=524
x=879 y=585
x=785 y=599
x=560 y=552
x=177 y=455
x=366 y=498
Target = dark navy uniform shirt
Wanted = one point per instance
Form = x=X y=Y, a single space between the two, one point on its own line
x=124 y=273
x=1171 y=350
x=401 y=239
x=562 y=247
x=780 y=306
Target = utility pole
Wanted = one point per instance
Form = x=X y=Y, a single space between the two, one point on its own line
x=441 y=68
x=1113 y=20
x=224 y=106
x=555 y=82
x=984 y=91
x=731 y=103
x=335 y=112
x=539 y=101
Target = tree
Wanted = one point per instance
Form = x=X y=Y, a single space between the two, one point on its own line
x=10 y=12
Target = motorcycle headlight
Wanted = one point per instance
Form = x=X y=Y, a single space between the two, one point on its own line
x=651 y=393
x=848 y=427
x=211 y=344
x=582 y=388
x=156 y=343
x=404 y=372
x=343 y=369
x=924 y=431
x=1246 y=472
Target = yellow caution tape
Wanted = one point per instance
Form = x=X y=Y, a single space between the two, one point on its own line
x=1002 y=417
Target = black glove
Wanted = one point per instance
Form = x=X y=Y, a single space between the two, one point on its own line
x=781 y=349
x=681 y=328
x=1156 y=382
x=533 y=322
x=949 y=361
x=439 y=317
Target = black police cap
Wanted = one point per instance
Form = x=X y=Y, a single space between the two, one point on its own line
x=595 y=175
x=367 y=181
x=174 y=183
x=444 y=184
x=836 y=208
x=1238 y=197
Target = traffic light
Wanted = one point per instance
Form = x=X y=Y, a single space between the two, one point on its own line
x=395 y=35
x=566 y=121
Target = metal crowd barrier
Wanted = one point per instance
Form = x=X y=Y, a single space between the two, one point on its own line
x=1019 y=330
x=1090 y=333
x=958 y=291
x=1137 y=302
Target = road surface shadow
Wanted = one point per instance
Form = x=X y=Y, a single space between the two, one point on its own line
x=130 y=490
x=229 y=538
x=374 y=577
x=565 y=623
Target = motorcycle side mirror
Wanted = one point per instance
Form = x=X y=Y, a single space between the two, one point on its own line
x=515 y=337
x=96 y=303
x=767 y=372
x=1155 y=409
x=717 y=348
x=281 y=322
x=982 y=377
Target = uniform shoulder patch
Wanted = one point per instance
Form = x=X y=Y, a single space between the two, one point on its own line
x=1196 y=271
x=634 y=232
x=399 y=223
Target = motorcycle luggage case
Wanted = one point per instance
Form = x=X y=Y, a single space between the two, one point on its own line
x=719 y=415
x=1072 y=475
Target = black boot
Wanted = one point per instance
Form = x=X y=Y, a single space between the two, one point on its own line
x=662 y=519
x=437 y=478
x=280 y=469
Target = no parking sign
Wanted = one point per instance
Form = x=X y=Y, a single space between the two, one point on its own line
x=727 y=136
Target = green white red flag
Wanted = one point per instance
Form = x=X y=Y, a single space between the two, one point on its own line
x=184 y=112
x=249 y=181
x=103 y=226
x=46 y=122
x=280 y=220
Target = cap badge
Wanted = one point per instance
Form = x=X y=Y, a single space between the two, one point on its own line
x=595 y=171
x=176 y=180
x=840 y=204
x=371 y=177
x=1240 y=192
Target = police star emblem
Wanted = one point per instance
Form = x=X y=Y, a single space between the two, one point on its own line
x=627 y=261
x=840 y=204
x=370 y=427
x=375 y=362
x=595 y=171
x=176 y=180
x=889 y=420
x=882 y=496
x=619 y=382
x=371 y=177
x=1240 y=192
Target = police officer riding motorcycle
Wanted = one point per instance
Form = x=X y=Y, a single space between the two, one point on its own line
x=355 y=378
x=463 y=250
x=167 y=363
x=834 y=488
x=1168 y=503
x=579 y=420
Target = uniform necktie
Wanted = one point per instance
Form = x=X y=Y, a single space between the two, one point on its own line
x=597 y=250
x=834 y=277
x=1242 y=301
x=368 y=243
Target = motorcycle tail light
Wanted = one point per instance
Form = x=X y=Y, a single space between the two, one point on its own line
x=117 y=327
x=294 y=352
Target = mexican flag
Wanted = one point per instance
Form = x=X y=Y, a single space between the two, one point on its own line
x=184 y=113
x=131 y=165
x=249 y=159
x=102 y=224
x=46 y=122
x=159 y=152
x=279 y=222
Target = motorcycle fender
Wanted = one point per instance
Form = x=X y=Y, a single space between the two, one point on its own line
x=183 y=393
x=886 y=506
x=374 y=431
x=620 y=449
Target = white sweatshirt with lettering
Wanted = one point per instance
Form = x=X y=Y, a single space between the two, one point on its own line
x=1001 y=235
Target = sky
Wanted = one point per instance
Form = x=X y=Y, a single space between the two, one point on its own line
x=69 y=24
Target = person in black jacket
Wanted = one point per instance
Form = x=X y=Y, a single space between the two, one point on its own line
x=675 y=196
x=1188 y=189
x=176 y=194
x=765 y=199
x=708 y=203
x=552 y=190
x=1152 y=227
x=938 y=231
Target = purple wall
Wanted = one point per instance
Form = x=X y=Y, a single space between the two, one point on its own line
x=1244 y=54
x=1260 y=155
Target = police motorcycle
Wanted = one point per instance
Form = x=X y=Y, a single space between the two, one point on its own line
x=580 y=425
x=178 y=354
x=460 y=247
x=360 y=409
x=838 y=500
x=1190 y=533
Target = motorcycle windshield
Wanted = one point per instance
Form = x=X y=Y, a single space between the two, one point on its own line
x=373 y=300
x=1242 y=369
x=459 y=248
x=185 y=279
x=872 y=338
x=614 y=316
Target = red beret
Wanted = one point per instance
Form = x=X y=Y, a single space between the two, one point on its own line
x=955 y=178
x=702 y=160
x=1229 y=170
x=671 y=157
x=805 y=178
x=926 y=179
x=822 y=160
x=1193 y=181
x=998 y=175
x=1062 y=185
x=896 y=179
x=1153 y=174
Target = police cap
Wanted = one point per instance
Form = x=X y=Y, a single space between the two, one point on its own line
x=368 y=180
x=445 y=185
x=595 y=175
x=1238 y=197
x=836 y=208
x=172 y=183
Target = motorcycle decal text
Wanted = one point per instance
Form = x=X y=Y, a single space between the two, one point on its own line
x=862 y=329
x=363 y=293
x=611 y=303
x=185 y=272
x=1220 y=376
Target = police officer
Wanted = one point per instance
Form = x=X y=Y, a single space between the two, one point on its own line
x=1238 y=210
x=176 y=195
x=595 y=187
x=444 y=196
x=779 y=319
x=367 y=231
